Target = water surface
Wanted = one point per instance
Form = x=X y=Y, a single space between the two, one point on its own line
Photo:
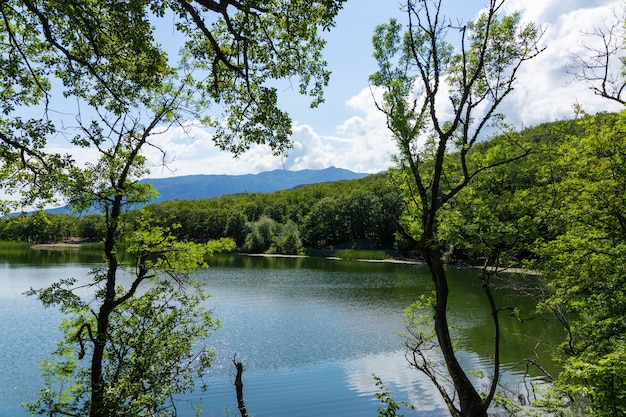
x=310 y=332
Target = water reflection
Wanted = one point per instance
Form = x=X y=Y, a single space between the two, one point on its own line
x=18 y=257
x=311 y=332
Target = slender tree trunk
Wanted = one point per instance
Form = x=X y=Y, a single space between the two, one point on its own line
x=470 y=401
x=97 y=406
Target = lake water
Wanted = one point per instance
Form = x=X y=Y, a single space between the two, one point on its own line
x=311 y=333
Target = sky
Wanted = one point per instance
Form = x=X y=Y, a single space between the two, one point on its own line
x=347 y=131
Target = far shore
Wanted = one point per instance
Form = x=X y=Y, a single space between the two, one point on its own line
x=334 y=258
x=76 y=246
x=501 y=269
x=56 y=246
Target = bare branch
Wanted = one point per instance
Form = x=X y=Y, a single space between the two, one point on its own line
x=601 y=67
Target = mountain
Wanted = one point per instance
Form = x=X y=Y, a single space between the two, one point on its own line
x=196 y=187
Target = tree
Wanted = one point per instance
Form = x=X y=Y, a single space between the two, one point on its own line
x=104 y=56
x=237 y=227
x=152 y=337
x=322 y=225
x=261 y=235
x=602 y=67
x=581 y=265
x=91 y=227
x=112 y=186
x=434 y=145
x=286 y=238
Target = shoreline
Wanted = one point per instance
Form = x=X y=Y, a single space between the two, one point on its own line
x=332 y=258
x=502 y=270
x=56 y=246
x=76 y=246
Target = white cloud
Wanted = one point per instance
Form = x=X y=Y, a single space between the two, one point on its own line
x=361 y=142
x=549 y=12
x=546 y=92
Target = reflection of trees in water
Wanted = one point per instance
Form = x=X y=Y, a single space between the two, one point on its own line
x=43 y=257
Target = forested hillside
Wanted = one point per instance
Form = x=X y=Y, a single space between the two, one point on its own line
x=317 y=215
x=351 y=213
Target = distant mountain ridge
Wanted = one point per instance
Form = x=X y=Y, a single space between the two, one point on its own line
x=197 y=187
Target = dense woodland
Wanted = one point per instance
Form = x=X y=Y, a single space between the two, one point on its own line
x=310 y=216
x=349 y=213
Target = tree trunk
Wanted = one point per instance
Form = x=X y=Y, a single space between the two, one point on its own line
x=470 y=402
x=239 y=388
x=97 y=408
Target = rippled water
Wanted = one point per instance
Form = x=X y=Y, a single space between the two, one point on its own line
x=310 y=332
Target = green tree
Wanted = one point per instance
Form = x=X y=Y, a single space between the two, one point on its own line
x=498 y=217
x=286 y=238
x=91 y=226
x=582 y=265
x=434 y=145
x=261 y=235
x=237 y=227
x=321 y=226
x=142 y=336
x=362 y=213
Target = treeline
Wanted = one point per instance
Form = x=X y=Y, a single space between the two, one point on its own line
x=349 y=212
x=311 y=216
x=41 y=227
x=501 y=204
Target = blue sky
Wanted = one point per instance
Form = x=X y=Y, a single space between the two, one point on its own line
x=348 y=132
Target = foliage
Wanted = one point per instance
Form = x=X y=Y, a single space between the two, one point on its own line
x=359 y=209
x=267 y=235
x=152 y=337
x=363 y=206
x=37 y=228
x=498 y=218
x=356 y=215
x=581 y=264
x=390 y=406
x=42 y=227
x=434 y=142
x=261 y=236
x=286 y=239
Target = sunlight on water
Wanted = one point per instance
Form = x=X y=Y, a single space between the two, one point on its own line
x=310 y=332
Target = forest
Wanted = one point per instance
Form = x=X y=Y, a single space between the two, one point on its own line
x=347 y=214
x=466 y=187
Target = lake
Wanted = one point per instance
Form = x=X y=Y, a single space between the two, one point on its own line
x=311 y=332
